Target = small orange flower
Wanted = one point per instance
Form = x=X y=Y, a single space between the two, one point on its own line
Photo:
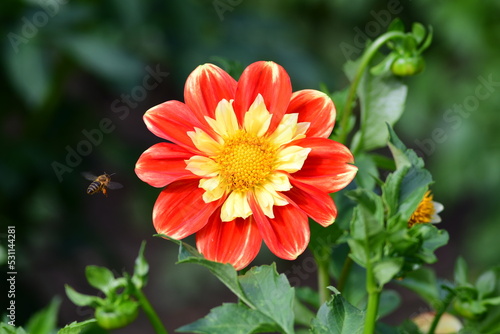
x=249 y=161
x=427 y=211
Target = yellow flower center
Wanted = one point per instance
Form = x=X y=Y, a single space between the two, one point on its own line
x=246 y=161
x=424 y=212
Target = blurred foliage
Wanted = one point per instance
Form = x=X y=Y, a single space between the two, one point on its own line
x=69 y=64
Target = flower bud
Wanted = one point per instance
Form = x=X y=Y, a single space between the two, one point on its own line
x=116 y=317
x=407 y=65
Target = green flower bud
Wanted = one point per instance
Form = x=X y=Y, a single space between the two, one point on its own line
x=469 y=309
x=120 y=316
x=405 y=66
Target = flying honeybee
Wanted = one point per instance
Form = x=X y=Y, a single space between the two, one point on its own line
x=101 y=183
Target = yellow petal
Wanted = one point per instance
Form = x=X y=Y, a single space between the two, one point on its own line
x=289 y=130
x=202 y=166
x=236 y=205
x=257 y=119
x=225 y=122
x=267 y=197
x=291 y=159
x=213 y=189
x=204 y=142
x=280 y=181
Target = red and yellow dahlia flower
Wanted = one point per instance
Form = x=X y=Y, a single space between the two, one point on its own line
x=248 y=161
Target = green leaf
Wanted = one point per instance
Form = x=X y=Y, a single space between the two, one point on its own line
x=396 y=25
x=485 y=284
x=432 y=238
x=423 y=282
x=8 y=329
x=386 y=269
x=230 y=318
x=77 y=327
x=389 y=302
x=81 y=299
x=367 y=226
x=44 y=321
x=302 y=314
x=338 y=317
x=367 y=171
x=224 y=272
x=30 y=73
x=419 y=32
x=101 y=278
x=427 y=42
x=382 y=100
x=141 y=269
x=271 y=294
x=460 y=273
x=403 y=156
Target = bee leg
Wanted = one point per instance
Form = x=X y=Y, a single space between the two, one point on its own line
x=105 y=192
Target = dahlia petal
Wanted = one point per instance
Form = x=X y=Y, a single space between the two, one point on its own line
x=287 y=235
x=280 y=181
x=315 y=203
x=225 y=122
x=236 y=205
x=172 y=120
x=205 y=87
x=315 y=108
x=202 y=166
x=272 y=82
x=288 y=130
x=162 y=164
x=236 y=242
x=204 y=142
x=267 y=197
x=328 y=165
x=257 y=119
x=180 y=210
x=291 y=158
x=213 y=189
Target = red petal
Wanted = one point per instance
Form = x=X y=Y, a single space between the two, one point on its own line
x=180 y=210
x=205 y=87
x=272 y=82
x=172 y=120
x=328 y=165
x=237 y=242
x=315 y=203
x=287 y=235
x=162 y=164
x=316 y=108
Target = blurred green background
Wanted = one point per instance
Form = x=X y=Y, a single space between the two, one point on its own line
x=70 y=65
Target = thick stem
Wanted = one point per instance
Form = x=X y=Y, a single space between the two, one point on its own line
x=373 y=300
x=365 y=60
x=150 y=312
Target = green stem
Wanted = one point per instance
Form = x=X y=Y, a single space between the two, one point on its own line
x=365 y=60
x=150 y=312
x=373 y=300
x=344 y=274
x=323 y=280
x=440 y=312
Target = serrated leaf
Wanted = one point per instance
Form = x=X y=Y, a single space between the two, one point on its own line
x=485 y=284
x=100 y=278
x=385 y=269
x=230 y=318
x=141 y=269
x=8 y=329
x=81 y=299
x=271 y=294
x=338 y=317
x=45 y=320
x=432 y=238
x=224 y=272
x=77 y=327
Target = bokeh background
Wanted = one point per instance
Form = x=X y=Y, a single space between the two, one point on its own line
x=67 y=65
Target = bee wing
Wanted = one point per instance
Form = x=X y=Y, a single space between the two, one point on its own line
x=89 y=176
x=114 y=185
